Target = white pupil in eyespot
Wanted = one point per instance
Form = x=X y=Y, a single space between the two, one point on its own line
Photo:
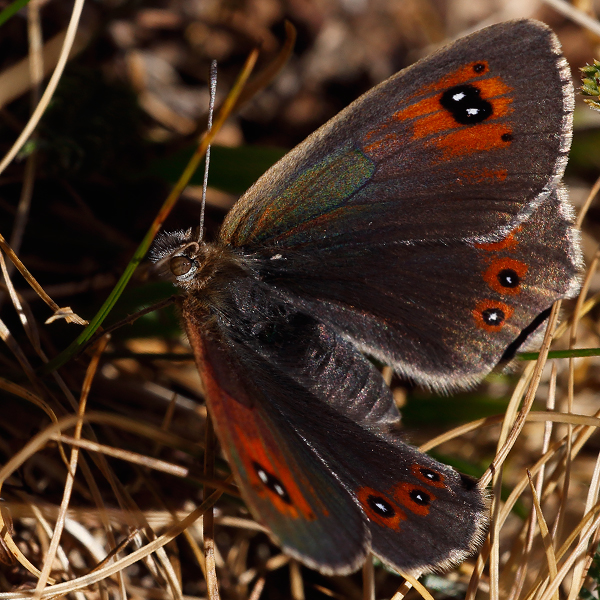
x=458 y=97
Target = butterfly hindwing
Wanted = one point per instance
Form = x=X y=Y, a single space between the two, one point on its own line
x=441 y=313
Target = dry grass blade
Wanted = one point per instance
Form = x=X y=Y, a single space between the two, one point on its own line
x=50 y=89
x=566 y=567
x=402 y=590
x=257 y=589
x=17 y=79
x=56 y=535
x=368 y=579
x=546 y=538
x=296 y=582
x=517 y=426
x=518 y=582
x=576 y=15
x=588 y=202
x=131 y=457
x=208 y=523
x=14 y=552
x=414 y=583
x=65 y=312
x=584 y=562
x=117 y=566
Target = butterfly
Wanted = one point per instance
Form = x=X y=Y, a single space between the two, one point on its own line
x=425 y=226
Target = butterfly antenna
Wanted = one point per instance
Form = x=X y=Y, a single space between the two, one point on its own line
x=211 y=110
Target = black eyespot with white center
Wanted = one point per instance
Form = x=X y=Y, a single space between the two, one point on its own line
x=465 y=104
x=381 y=506
x=272 y=483
x=508 y=278
x=430 y=475
x=507 y=137
x=420 y=497
x=493 y=316
x=479 y=68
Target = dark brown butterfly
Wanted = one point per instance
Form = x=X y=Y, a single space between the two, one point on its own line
x=425 y=226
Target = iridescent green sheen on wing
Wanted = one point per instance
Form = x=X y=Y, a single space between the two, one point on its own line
x=317 y=193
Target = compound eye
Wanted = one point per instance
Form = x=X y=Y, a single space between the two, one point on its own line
x=180 y=265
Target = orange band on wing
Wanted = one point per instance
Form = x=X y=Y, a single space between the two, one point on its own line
x=481 y=175
x=491 y=315
x=429 y=118
x=480 y=138
x=429 y=476
x=508 y=243
x=493 y=275
x=380 y=509
x=415 y=498
x=463 y=75
x=253 y=449
x=432 y=118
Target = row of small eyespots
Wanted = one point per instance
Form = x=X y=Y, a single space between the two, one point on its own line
x=465 y=104
x=388 y=508
x=504 y=276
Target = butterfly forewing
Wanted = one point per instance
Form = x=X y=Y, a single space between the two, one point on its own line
x=457 y=146
x=379 y=222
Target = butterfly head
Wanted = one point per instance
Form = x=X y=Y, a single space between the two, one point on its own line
x=192 y=264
